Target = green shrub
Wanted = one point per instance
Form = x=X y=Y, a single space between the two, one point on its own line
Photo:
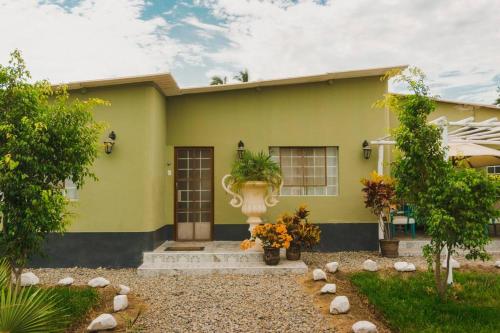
x=255 y=167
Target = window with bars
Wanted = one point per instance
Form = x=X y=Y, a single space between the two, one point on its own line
x=307 y=170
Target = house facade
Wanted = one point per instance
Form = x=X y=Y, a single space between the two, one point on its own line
x=162 y=179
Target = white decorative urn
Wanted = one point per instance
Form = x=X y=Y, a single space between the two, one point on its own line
x=253 y=197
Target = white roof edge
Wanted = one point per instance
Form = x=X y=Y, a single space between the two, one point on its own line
x=377 y=71
x=165 y=82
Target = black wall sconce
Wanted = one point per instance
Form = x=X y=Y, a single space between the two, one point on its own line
x=367 y=150
x=109 y=142
x=241 y=149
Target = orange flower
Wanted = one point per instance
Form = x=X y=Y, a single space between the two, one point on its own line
x=246 y=244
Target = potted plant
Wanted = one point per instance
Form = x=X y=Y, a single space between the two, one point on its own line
x=273 y=237
x=379 y=193
x=304 y=234
x=254 y=182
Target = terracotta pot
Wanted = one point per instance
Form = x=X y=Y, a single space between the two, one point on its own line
x=271 y=256
x=293 y=252
x=389 y=248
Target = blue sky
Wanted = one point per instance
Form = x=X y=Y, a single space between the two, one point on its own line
x=456 y=43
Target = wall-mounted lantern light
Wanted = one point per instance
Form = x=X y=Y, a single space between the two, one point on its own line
x=241 y=149
x=109 y=142
x=367 y=150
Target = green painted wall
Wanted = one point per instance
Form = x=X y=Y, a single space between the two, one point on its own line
x=456 y=112
x=130 y=193
x=135 y=188
x=318 y=114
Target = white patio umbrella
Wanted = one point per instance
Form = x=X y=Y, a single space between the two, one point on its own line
x=475 y=155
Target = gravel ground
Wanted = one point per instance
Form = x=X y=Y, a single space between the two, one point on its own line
x=232 y=303
x=352 y=261
x=212 y=303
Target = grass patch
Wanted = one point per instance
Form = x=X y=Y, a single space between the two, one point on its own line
x=409 y=302
x=77 y=300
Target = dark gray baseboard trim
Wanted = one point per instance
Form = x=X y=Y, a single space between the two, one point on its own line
x=334 y=236
x=100 y=249
x=124 y=249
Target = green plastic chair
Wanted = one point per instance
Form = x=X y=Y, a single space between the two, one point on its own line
x=406 y=218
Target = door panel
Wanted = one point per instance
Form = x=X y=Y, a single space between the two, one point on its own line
x=194 y=193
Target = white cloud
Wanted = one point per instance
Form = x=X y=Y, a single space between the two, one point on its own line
x=221 y=72
x=455 y=42
x=195 y=22
x=94 y=39
x=283 y=38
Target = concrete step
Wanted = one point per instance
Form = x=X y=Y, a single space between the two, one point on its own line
x=182 y=258
x=285 y=267
x=217 y=257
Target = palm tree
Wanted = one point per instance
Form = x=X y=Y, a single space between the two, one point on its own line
x=242 y=76
x=216 y=80
x=28 y=309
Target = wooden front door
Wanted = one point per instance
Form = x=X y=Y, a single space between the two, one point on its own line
x=194 y=185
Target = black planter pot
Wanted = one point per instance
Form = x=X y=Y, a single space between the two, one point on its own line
x=293 y=252
x=271 y=256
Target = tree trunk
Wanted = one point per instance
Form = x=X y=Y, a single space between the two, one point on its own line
x=437 y=273
x=445 y=282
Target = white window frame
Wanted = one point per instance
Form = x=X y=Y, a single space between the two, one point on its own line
x=68 y=187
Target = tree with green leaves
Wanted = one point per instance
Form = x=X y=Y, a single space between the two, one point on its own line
x=497 y=102
x=456 y=204
x=242 y=76
x=45 y=138
x=217 y=80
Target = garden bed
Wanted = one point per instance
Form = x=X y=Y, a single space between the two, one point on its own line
x=83 y=304
x=84 y=313
x=408 y=302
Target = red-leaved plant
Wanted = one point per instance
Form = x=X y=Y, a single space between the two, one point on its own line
x=379 y=193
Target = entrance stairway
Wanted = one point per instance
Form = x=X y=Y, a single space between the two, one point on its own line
x=217 y=257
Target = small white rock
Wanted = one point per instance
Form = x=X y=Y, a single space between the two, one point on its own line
x=329 y=288
x=403 y=266
x=332 y=267
x=400 y=266
x=98 y=282
x=497 y=264
x=364 y=326
x=410 y=268
x=319 y=274
x=120 y=302
x=340 y=304
x=454 y=264
x=103 y=322
x=370 y=265
x=124 y=290
x=29 y=279
x=67 y=281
